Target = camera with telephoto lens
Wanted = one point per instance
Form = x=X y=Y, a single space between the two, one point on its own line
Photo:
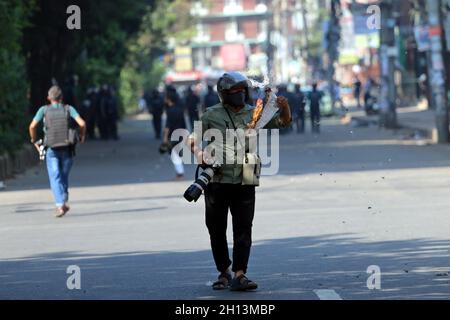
x=196 y=189
x=42 y=150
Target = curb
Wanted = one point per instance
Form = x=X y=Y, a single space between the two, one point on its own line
x=430 y=134
x=22 y=160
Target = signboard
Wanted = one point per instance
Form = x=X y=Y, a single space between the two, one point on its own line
x=183 y=59
x=189 y=76
x=257 y=64
x=233 y=57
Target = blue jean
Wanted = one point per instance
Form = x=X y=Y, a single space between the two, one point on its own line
x=59 y=163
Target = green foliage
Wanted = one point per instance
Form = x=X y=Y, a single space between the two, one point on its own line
x=120 y=43
x=96 y=53
x=144 y=69
x=13 y=80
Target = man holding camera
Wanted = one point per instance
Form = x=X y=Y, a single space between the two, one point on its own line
x=59 y=141
x=226 y=191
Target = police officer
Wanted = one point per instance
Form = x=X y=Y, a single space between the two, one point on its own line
x=226 y=191
x=315 y=98
x=210 y=98
x=299 y=109
x=192 y=102
x=156 y=104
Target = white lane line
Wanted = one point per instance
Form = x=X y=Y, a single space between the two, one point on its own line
x=327 y=294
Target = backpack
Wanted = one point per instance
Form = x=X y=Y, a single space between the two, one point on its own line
x=58 y=132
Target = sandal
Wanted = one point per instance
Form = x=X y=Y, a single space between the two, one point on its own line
x=60 y=212
x=242 y=283
x=223 y=282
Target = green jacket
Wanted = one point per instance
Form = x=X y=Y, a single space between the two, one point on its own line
x=216 y=117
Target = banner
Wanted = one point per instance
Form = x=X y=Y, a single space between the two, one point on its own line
x=183 y=59
x=233 y=57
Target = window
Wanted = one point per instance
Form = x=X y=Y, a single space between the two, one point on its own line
x=232 y=6
x=231 y=31
x=202 y=33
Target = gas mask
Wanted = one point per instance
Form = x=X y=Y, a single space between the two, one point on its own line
x=236 y=99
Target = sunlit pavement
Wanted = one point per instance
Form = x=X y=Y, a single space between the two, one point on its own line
x=348 y=199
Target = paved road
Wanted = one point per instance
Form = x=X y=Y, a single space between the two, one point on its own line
x=350 y=198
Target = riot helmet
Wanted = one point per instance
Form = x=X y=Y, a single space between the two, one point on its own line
x=228 y=89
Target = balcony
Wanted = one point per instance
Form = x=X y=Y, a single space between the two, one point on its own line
x=234 y=14
x=209 y=44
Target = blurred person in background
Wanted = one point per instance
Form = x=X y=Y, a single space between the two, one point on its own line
x=90 y=112
x=338 y=96
x=192 y=101
x=155 y=102
x=211 y=98
x=102 y=116
x=299 y=109
x=71 y=92
x=367 y=92
x=112 y=115
x=315 y=99
x=142 y=104
x=175 y=120
x=357 y=91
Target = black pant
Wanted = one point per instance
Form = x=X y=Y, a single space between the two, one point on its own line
x=315 y=122
x=192 y=118
x=157 y=124
x=300 y=121
x=241 y=202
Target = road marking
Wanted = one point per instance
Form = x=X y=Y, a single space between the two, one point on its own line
x=327 y=295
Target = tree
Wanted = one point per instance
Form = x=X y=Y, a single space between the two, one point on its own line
x=13 y=80
x=144 y=67
x=97 y=52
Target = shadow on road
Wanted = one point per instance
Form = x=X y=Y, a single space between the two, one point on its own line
x=285 y=269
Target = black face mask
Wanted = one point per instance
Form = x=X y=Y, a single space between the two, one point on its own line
x=235 y=99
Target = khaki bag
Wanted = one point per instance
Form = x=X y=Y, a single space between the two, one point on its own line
x=251 y=170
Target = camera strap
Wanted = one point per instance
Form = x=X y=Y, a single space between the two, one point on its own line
x=250 y=171
x=197 y=171
x=234 y=127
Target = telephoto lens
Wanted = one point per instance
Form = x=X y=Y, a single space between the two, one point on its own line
x=196 y=189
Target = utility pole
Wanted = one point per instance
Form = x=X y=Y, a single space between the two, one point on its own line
x=269 y=45
x=277 y=41
x=333 y=38
x=388 y=56
x=285 y=56
x=437 y=70
x=305 y=32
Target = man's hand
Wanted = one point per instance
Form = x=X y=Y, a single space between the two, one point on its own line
x=285 y=113
x=82 y=126
x=282 y=102
x=204 y=158
x=37 y=146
